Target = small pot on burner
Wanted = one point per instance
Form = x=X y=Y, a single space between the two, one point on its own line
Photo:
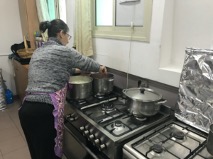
x=143 y=102
x=80 y=87
x=102 y=83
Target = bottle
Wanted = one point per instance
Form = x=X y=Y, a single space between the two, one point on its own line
x=9 y=96
x=38 y=39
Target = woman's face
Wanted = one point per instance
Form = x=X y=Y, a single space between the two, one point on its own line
x=64 y=38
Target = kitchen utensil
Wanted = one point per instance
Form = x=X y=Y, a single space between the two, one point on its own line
x=102 y=83
x=209 y=144
x=80 y=87
x=26 y=52
x=143 y=101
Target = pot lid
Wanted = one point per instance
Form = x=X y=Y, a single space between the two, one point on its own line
x=142 y=94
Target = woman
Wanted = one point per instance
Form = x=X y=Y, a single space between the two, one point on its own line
x=41 y=114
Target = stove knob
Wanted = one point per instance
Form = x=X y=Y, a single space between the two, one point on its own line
x=82 y=128
x=97 y=141
x=102 y=146
x=91 y=137
x=86 y=132
x=71 y=119
x=68 y=116
x=72 y=115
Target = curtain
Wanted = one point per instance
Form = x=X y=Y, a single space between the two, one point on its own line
x=49 y=10
x=57 y=14
x=83 y=28
x=60 y=9
x=43 y=14
x=42 y=9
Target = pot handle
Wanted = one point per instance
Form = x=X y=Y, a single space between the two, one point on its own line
x=161 y=101
x=142 y=90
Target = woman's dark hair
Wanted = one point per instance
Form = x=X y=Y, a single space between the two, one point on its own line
x=54 y=27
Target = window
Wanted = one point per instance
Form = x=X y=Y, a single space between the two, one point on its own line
x=57 y=9
x=104 y=12
x=122 y=19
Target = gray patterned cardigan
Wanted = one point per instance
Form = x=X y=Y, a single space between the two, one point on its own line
x=50 y=68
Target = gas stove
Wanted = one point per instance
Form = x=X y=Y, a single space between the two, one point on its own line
x=106 y=124
x=92 y=101
x=170 y=140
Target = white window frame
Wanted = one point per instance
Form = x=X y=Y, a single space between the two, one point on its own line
x=126 y=33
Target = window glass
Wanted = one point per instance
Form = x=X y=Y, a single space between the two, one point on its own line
x=129 y=12
x=122 y=19
x=104 y=10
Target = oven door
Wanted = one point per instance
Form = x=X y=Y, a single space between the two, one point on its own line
x=76 y=146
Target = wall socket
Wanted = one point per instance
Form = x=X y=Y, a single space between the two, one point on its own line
x=143 y=83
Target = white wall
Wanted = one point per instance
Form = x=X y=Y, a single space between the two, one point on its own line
x=10 y=33
x=187 y=23
x=176 y=24
x=193 y=27
x=138 y=58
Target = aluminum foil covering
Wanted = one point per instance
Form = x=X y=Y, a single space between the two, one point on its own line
x=195 y=99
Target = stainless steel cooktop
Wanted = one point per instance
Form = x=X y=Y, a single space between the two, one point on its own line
x=171 y=140
x=107 y=123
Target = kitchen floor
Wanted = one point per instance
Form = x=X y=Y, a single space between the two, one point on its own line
x=12 y=141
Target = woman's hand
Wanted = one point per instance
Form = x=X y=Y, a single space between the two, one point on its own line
x=102 y=69
x=77 y=70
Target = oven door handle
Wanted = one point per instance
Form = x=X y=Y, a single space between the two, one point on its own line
x=82 y=144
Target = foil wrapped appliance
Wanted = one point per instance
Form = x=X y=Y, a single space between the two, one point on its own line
x=195 y=98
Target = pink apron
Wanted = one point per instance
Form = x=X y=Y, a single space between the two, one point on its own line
x=58 y=101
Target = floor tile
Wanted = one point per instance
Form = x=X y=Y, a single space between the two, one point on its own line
x=13 y=115
x=13 y=107
x=6 y=134
x=12 y=144
x=12 y=141
x=1 y=157
x=21 y=131
x=5 y=121
x=21 y=153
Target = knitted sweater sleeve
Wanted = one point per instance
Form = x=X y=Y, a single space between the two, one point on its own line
x=82 y=62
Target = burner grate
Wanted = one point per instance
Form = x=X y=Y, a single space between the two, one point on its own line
x=108 y=107
x=179 y=135
x=117 y=128
x=157 y=148
x=172 y=141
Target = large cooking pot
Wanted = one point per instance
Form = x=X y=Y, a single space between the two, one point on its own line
x=143 y=101
x=80 y=87
x=102 y=83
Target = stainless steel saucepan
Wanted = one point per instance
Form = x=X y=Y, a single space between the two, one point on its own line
x=102 y=83
x=143 y=101
x=80 y=87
